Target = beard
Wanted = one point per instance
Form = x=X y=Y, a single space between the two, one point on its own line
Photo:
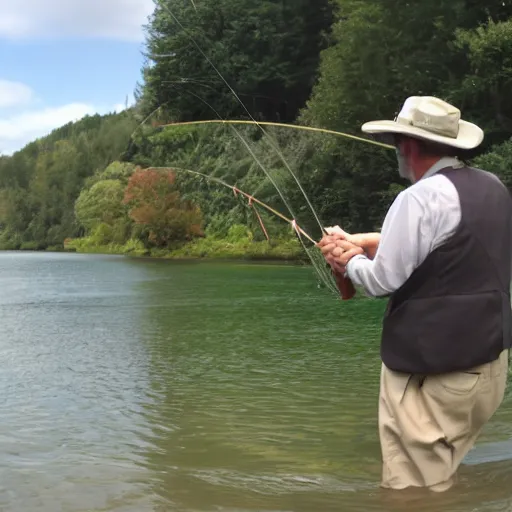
x=403 y=167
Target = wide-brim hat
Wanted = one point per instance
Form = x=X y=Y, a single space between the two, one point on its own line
x=431 y=119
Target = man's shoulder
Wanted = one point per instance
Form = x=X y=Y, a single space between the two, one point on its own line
x=426 y=198
x=487 y=175
x=479 y=180
x=431 y=189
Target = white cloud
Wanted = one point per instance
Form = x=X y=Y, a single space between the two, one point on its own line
x=13 y=94
x=18 y=130
x=111 y=19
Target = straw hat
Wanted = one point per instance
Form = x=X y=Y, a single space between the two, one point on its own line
x=428 y=118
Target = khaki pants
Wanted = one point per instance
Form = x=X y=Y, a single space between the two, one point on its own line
x=427 y=426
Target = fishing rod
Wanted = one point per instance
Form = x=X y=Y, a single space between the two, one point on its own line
x=281 y=125
x=332 y=282
x=164 y=5
x=276 y=149
x=343 y=283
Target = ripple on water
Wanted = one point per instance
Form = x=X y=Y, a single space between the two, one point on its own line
x=152 y=386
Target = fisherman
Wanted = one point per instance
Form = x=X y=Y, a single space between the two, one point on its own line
x=443 y=258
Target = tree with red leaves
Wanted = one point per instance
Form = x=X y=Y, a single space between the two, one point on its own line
x=156 y=203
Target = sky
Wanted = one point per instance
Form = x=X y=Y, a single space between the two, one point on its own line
x=63 y=59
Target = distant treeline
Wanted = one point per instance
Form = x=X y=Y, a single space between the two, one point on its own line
x=324 y=63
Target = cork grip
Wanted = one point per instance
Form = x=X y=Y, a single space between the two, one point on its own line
x=345 y=286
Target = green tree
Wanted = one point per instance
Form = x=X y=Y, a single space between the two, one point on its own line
x=484 y=89
x=498 y=161
x=102 y=203
x=384 y=51
x=40 y=183
x=268 y=50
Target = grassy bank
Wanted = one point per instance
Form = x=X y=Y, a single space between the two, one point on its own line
x=208 y=248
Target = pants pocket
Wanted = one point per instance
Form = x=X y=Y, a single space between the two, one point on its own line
x=457 y=383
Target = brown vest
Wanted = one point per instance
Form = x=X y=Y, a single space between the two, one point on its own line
x=454 y=312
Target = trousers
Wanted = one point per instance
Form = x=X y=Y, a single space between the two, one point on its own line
x=427 y=424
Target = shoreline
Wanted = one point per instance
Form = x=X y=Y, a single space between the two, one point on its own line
x=178 y=259
x=280 y=251
x=176 y=255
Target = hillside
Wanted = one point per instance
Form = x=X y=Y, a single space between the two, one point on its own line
x=319 y=64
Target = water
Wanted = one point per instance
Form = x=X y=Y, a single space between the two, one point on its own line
x=137 y=385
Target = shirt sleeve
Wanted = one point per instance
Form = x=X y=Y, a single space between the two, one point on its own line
x=406 y=240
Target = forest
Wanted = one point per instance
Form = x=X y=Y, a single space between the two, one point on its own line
x=155 y=180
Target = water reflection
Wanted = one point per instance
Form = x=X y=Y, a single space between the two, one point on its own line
x=267 y=396
x=72 y=384
x=133 y=385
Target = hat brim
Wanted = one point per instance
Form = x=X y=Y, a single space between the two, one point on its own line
x=469 y=137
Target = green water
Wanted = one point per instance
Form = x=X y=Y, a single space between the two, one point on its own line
x=137 y=385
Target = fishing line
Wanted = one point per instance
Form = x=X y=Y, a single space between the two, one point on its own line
x=248 y=148
x=245 y=108
x=222 y=120
x=321 y=274
x=276 y=149
x=234 y=188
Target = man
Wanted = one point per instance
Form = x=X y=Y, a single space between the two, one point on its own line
x=443 y=258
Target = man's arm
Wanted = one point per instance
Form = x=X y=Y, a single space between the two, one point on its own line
x=369 y=242
x=406 y=240
x=421 y=219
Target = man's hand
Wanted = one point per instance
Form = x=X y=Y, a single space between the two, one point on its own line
x=336 y=230
x=338 y=252
x=369 y=242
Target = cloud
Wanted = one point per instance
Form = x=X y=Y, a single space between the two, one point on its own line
x=18 y=130
x=110 y=19
x=24 y=117
x=13 y=94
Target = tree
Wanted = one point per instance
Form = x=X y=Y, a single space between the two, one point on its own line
x=156 y=204
x=102 y=203
x=40 y=183
x=267 y=50
x=487 y=82
x=383 y=52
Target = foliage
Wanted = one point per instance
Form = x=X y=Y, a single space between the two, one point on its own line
x=40 y=183
x=499 y=162
x=267 y=50
x=327 y=63
x=489 y=76
x=242 y=248
x=91 y=245
x=156 y=204
x=102 y=203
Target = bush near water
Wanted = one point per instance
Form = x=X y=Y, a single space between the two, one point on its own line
x=321 y=63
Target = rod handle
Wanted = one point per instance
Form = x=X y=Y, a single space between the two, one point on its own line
x=345 y=286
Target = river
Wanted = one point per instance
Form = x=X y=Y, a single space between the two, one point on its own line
x=145 y=385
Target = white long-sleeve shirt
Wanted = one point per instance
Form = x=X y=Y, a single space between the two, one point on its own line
x=420 y=219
